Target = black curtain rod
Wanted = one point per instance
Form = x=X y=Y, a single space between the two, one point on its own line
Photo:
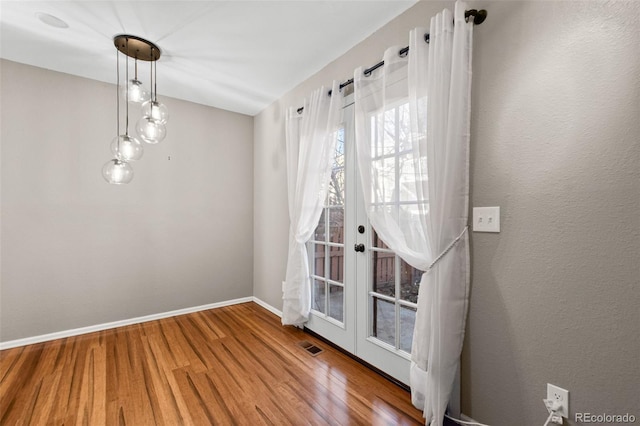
x=478 y=18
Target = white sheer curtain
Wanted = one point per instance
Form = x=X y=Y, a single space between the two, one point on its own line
x=412 y=136
x=311 y=138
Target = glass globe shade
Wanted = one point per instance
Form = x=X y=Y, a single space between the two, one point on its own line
x=117 y=172
x=155 y=110
x=135 y=92
x=150 y=130
x=126 y=148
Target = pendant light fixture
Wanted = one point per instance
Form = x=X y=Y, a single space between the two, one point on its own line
x=125 y=147
x=135 y=91
x=151 y=127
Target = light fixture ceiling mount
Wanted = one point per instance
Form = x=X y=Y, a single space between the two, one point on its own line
x=137 y=47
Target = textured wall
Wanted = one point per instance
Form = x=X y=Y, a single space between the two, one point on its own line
x=77 y=251
x=555 y=142
x=556 y=136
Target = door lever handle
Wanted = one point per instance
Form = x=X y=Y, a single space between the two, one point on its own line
x=359 y=247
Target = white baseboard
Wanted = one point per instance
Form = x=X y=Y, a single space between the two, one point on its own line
x=267 y=306
x=93 y=328
x=467 y=418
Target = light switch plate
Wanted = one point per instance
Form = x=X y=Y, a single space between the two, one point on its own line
x=486 y=219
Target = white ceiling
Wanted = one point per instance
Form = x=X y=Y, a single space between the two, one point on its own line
x=236 y=55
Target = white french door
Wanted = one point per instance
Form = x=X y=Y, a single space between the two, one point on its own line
x=363 y=295
x=333 y=278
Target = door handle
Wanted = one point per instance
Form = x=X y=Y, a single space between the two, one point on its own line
x=359 y=247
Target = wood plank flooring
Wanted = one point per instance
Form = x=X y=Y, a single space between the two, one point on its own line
x=231 y=365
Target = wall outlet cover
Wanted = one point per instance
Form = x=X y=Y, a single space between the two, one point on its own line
x=556 y=393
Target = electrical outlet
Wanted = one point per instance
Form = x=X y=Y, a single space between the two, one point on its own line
x=554 y=393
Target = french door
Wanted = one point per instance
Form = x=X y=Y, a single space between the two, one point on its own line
x=333 y=277
x=363 y=295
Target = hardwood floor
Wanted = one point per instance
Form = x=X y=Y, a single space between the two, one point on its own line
x=232 y=365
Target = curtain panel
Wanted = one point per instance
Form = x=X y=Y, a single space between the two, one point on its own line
x=412 y=138
x=310 y=143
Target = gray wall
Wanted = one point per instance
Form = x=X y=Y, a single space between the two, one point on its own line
x=555 y=142
x=77 y=251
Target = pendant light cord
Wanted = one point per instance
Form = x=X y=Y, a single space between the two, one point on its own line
x=118 y=99
x=155 y=81
x=151 y=83
x=127 y=92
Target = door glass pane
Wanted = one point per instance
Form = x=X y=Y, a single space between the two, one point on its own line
x=336 y=302
x=407 y=178
x=404 y=128
x=384 y=321
x=377 y=242
x=319 y=260
x=383 y=272
x=319 y=234
x=384 y=172
x=407 y=322
x=409 y=282
x=337 y=182
x=336 y=188
x=338 y=157
x=336 y=224
x=336 y=266
x=319 y=296
x=389 y=132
